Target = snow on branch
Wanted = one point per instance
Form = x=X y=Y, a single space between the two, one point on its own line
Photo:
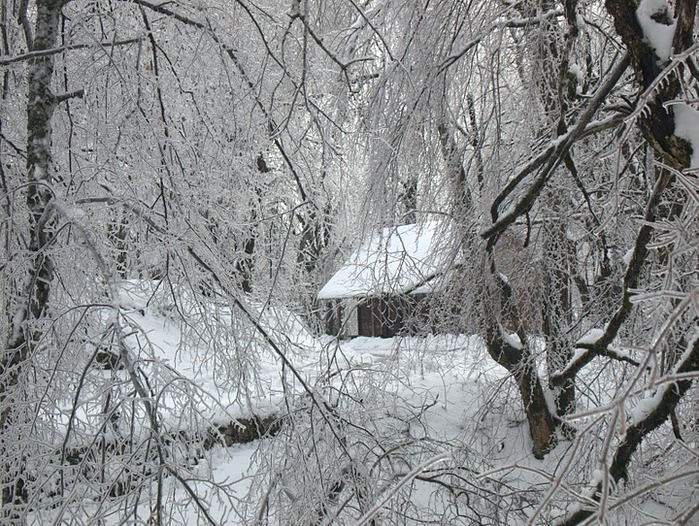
x=644 y=419
x=658 y=25
x=7 y=60
x=553 y=156
x=687 y=128
x=599 y=345
x=518 y=22
x=649 y=94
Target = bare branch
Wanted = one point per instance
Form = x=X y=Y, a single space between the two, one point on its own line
x=508 y=23
x=26 y=24
x=667 y=399
x=6 y=61
x=631 y=278
x=558 y=149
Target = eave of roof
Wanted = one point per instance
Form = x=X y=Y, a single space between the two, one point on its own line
x=398 y=260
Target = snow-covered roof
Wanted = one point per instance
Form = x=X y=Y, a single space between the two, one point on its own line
x=399 y=259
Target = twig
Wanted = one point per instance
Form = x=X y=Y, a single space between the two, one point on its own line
x=390 y=494
x=56 y=50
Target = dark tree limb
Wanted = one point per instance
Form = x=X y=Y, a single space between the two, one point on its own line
x=519 y=361
x=24 y=57
x=657 y=122
x=36 y=286
x=631 y=280
x=667 y=399
x=554 y=155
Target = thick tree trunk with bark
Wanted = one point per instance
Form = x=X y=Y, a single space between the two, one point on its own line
x=657 y=123
x=34 y=291
x=520 y=362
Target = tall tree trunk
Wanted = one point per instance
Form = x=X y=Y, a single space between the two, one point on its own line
x=556 y=90
x=25 y=332
x=519 y=361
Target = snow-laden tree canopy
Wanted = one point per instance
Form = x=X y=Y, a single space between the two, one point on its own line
x=224 y=158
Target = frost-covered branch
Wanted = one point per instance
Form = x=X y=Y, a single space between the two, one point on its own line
x=603 y=341
x=272 y=125
x=649 y=35
x=512 y=23
x=662 y=404
x=558 y=149
x=6 y=61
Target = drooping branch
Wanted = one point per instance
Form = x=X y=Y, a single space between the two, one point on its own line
x=553 y=156
x=665 y=402
x=631 y=279
x=456 y=171
x=516 y=22
x=271 y=125
x=653 y=122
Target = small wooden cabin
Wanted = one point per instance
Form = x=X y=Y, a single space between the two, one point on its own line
x=383 y=289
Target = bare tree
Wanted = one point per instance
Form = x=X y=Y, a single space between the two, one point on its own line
x=163 y=150
x=147 y=141
x=562 y=125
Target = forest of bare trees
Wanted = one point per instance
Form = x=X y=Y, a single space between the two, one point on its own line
x=227 y=155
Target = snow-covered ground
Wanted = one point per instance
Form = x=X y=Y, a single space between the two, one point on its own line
x=439 y=397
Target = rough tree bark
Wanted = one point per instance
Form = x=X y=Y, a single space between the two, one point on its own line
x=25 y=331
x=554 y=91
x=519 y=361
x=657 y=124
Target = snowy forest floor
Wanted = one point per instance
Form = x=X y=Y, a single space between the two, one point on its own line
x=438 y=397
